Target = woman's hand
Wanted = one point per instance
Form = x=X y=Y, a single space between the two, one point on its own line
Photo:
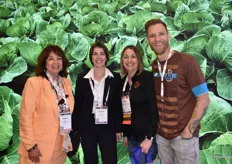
x=118 y=136
x=34 y=155
x=125 y=142
x=145 y=145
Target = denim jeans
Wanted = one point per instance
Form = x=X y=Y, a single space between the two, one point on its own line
x=134 y=143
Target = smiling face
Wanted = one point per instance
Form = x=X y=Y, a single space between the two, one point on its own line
x=158 y=38
x=99 y=57
x=54 y=64
x=130 y=60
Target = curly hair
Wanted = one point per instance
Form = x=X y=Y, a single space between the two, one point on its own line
x=41 y=65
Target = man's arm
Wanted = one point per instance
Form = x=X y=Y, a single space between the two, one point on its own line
x=197 y=115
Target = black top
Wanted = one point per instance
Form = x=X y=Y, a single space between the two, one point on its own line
x=84 y=103
x=144 y=117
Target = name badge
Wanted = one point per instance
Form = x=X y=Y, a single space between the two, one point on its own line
x=126 y=104
x=65 y=122
x=101 y=115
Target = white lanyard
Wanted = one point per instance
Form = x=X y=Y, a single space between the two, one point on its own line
x=126 y=100
x=162 y=74
x=125 y=83
x=94 y=91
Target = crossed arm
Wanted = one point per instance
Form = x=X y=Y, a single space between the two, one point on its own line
x=197 y=115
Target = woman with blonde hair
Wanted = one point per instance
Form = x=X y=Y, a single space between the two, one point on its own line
x=140 y=115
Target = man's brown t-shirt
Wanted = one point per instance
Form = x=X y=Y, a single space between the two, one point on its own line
x=183 y=82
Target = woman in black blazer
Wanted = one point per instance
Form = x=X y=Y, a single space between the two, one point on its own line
x=97 y=112
x=140 y=114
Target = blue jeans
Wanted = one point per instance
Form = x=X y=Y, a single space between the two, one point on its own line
x=134 y=143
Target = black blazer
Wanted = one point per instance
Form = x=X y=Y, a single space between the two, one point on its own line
x=144 y=117
x=84 y=103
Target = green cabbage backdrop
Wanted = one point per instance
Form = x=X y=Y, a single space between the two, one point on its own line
x=201 y=28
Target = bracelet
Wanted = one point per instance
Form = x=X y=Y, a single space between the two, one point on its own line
x=149 y=138
x=33 y=148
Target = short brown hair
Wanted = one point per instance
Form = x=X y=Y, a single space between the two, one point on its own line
x=99 y=45
x=41 y=65
x=154 y=22
x=138 y=55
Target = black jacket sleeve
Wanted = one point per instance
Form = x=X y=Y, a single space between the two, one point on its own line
x=78 y=99
x=74 y=134
x=153 y=110
x=125 y=127
x=118 y=103
x=126 y=130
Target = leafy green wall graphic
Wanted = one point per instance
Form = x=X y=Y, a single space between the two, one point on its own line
x=201 y=28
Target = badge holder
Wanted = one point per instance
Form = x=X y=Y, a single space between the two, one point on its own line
x=65 y=118
x=126 y=108
x=101 y=115
x=126 y=104
x=101 y=112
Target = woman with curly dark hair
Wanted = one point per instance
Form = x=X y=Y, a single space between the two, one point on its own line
x=45 y=112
